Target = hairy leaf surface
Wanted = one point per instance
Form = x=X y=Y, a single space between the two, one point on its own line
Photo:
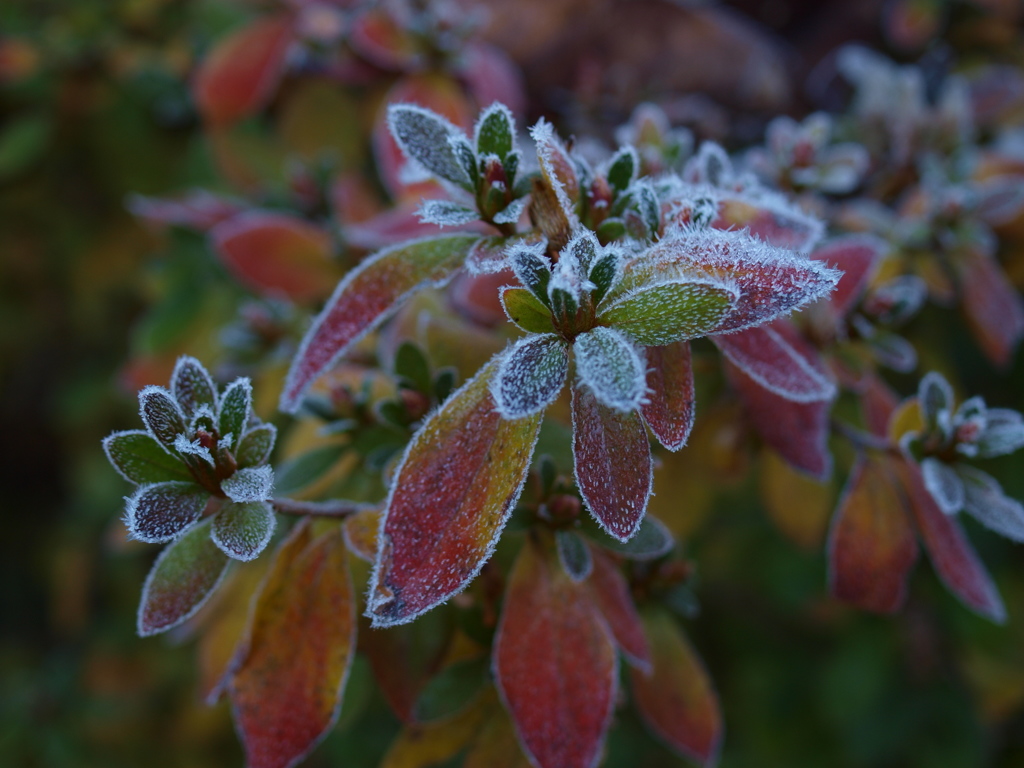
x=669 y=407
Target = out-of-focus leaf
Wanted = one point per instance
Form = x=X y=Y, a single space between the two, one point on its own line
x=363 y=299
x=765 y=356
x=286 y=692
x=277 y=255
x=159 y=512
x=450 y=498
x=676 y=699
x=985 y=501
x=554 y=663
x=652 y=540
x=361 y=531
x=798 y=505
x=421 y=745
x=573 y=554
x=304 y=470
x=771 y=220
x=951 y=554
x=377 y=36
x=497 y=745
x=668 y=409
x=872 y=545
x=857 y=256
x=22 y=142
x=141 y=459
x=199 y=210
x=451 y=689
x=240 y=74
x=182 y=578
x=612 y=463
x=994 y=309
x=611 y=595
x=668 y=312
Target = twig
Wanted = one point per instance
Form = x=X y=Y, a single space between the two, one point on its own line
x=330 y=508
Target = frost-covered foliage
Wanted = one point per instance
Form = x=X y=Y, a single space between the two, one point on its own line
x=495 y=351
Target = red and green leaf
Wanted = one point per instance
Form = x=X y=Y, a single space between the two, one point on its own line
x=277 y=255
x=613 y=463
x=286 y=692
x=668 y=409
x=676 y=698
x=676 y=310
x=554 y=663
x=364 y=298
x=240 y=74
x=184 y=575
x=450 y=499
x=872 y=545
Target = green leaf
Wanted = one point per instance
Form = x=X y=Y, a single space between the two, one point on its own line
x=430 y=140
x=412 y=365
x=668 y=312
x=495 y=132
x=256 y=445
x=574 y=555
x=608 y=364
x=652 y=540
x=242 y=530
x=526 y=311
x=604 y=274
x=452 y=689
x=623 y=168
x=192 y=386
x=160 y=512
x=306 y=469
x=140 y=459
x=235 y=408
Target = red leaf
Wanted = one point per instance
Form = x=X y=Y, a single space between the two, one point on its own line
x=377 y=37
x=668 y=409
x=275 y=254
x=240 y=74
x=452 y=493
x=492 y=76
x=995 y=312
x=613 y=467
x=872 y=545
x=858 y=257
x=287 y=690
x=611 y=595
x=951 y=554
x=676 y=699
x=797 y=431
x=199 y=210
x=878 y=403
x=771 y=360
x=772 y=220
x=554 y=664
x=362 y=300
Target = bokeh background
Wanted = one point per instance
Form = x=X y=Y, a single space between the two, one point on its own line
x=95 y=106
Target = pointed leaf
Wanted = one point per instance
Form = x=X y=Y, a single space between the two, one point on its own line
x=286 y=693
x=140 y=459
x=495 y=132
x=183 y=577
x=250 y=484
x=277 y=255
x=431 y=141
x=243 y=529
x=451 y=495
x=768 y=358
x=669 y=407
x=623 y=168
x=240 y=74
x=235 y=409
x=531 y=376
x=554 y=664
x=610 y=367
x=363 y=299
x=985 y=502
x=526 y=311
x=652 y=540
x=573 y=554
x=192 y=386
x=677 y=700
x=161 y=415
x=445 y=213
x=667 y=312
x=160 y=512
x=610 y=593
x=613 y=464
x=872 y=545
x=951 y=554
x=858 y=257
x=943 y=484
x=256 y=445
x=994 y=309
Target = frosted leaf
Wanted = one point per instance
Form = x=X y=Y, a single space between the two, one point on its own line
x=611 y=367
x=161 y=414
x=1002 y=435
x=897 y=300
x=652 y=540
x=249 y=484
x=160 y=512
x=242 y=530
x=605 y=273
x=140 y=459
x=531 y=376
x=187 y=447
x=427 y=138
x=648 y=206
x=487 y=256
x=623 y=168
x=531 y=266
x=935 y=397
x=671 y=311
x=183 y=577
x=985 y=501
x=567 y=284
x=711 y=165
x=255 y=446
x=235 y=409
x=583 y=248
x=495 y=132
x=557 y=169
x=204 y=419
x=445 y=213
x=944 y=484
x=525 y=310
x=512 y=212
x=574 y=555
x=192 y=386
x=893 y=351
x=771 y=360
x=770 y=217
x=771 y=281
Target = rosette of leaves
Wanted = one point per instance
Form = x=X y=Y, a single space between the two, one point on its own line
x=203 y=482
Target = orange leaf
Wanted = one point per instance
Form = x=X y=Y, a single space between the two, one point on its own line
x=287 y=691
